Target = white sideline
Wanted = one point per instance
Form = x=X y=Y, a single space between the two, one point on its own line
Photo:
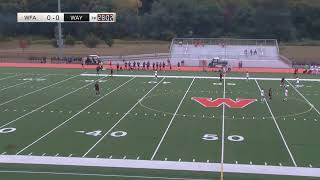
x=121 y=119
x=1 y=104
x=311 y=105
x=161 y=165
x=279 y=130
x=174 y=115
x=8 y=77
x=38 y=108
x=20 y=84
x=97 y=175
x=196 y=77
x=74 y=116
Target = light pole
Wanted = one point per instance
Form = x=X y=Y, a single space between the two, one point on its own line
x=60 y=41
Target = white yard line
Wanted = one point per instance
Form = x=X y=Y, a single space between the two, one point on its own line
x=159 y=165
x=311 y=105
x=279 y=130
x=196 y=77
x=45 y=135
x=141 y=99
x=20 y=84
x=97 y=175
x=174 y=115
x=1 y=104
x=34 y=110
x=222 y=138
x=8 y=77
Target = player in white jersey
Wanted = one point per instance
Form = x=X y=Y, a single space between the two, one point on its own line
x=156 y=74
x=262 y=95
x=247 y=75
x=286 y=92
x=297 y=81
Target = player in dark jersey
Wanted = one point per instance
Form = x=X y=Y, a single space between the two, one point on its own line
x=97 y=88
x=98 y=69
x=270 y=94
x=282 y=82
x=221 y=76
x=111 y=72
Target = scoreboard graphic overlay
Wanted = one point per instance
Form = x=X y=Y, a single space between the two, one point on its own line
x=70 y=17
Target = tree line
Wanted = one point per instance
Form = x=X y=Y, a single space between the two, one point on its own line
x=285 y=20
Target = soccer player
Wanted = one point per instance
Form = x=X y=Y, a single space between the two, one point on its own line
x=156 y=74
x=111 y=72
x=262 y=95
x=282 y=82
x=270 y=94
x=247 y=75
x=297 y=81
x=221 y=76
x=97 y=88
x=98 y=69
x=285 y=94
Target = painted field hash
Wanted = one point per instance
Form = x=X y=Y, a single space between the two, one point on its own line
x=173 y=126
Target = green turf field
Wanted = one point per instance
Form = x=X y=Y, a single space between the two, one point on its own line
x=150 y=128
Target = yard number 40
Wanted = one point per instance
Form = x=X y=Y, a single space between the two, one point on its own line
x=214 y=137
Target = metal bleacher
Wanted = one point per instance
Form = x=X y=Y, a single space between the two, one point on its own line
x=251 y=52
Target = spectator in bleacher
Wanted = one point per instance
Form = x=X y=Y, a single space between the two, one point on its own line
x=144 y=65
x=157 y=65
x=129 y=65
x=138 y=65
x=118 y=66
x=125 y=65
x=148 y=65
x=255 y=52
x=163 y=65
x=134 y=64
x=246 y=52
x=153 y=66
x=251 y=52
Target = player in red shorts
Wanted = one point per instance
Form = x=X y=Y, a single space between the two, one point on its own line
x=97 y=88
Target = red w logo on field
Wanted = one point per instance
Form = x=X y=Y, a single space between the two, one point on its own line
x=209 y=103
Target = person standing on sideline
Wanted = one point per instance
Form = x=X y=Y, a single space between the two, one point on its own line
x=247 y=75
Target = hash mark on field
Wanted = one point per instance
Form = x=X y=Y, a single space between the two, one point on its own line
x=51 y=111
x=43 y=154
x=310 y=165
x=70 y=155
x=56 y=155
